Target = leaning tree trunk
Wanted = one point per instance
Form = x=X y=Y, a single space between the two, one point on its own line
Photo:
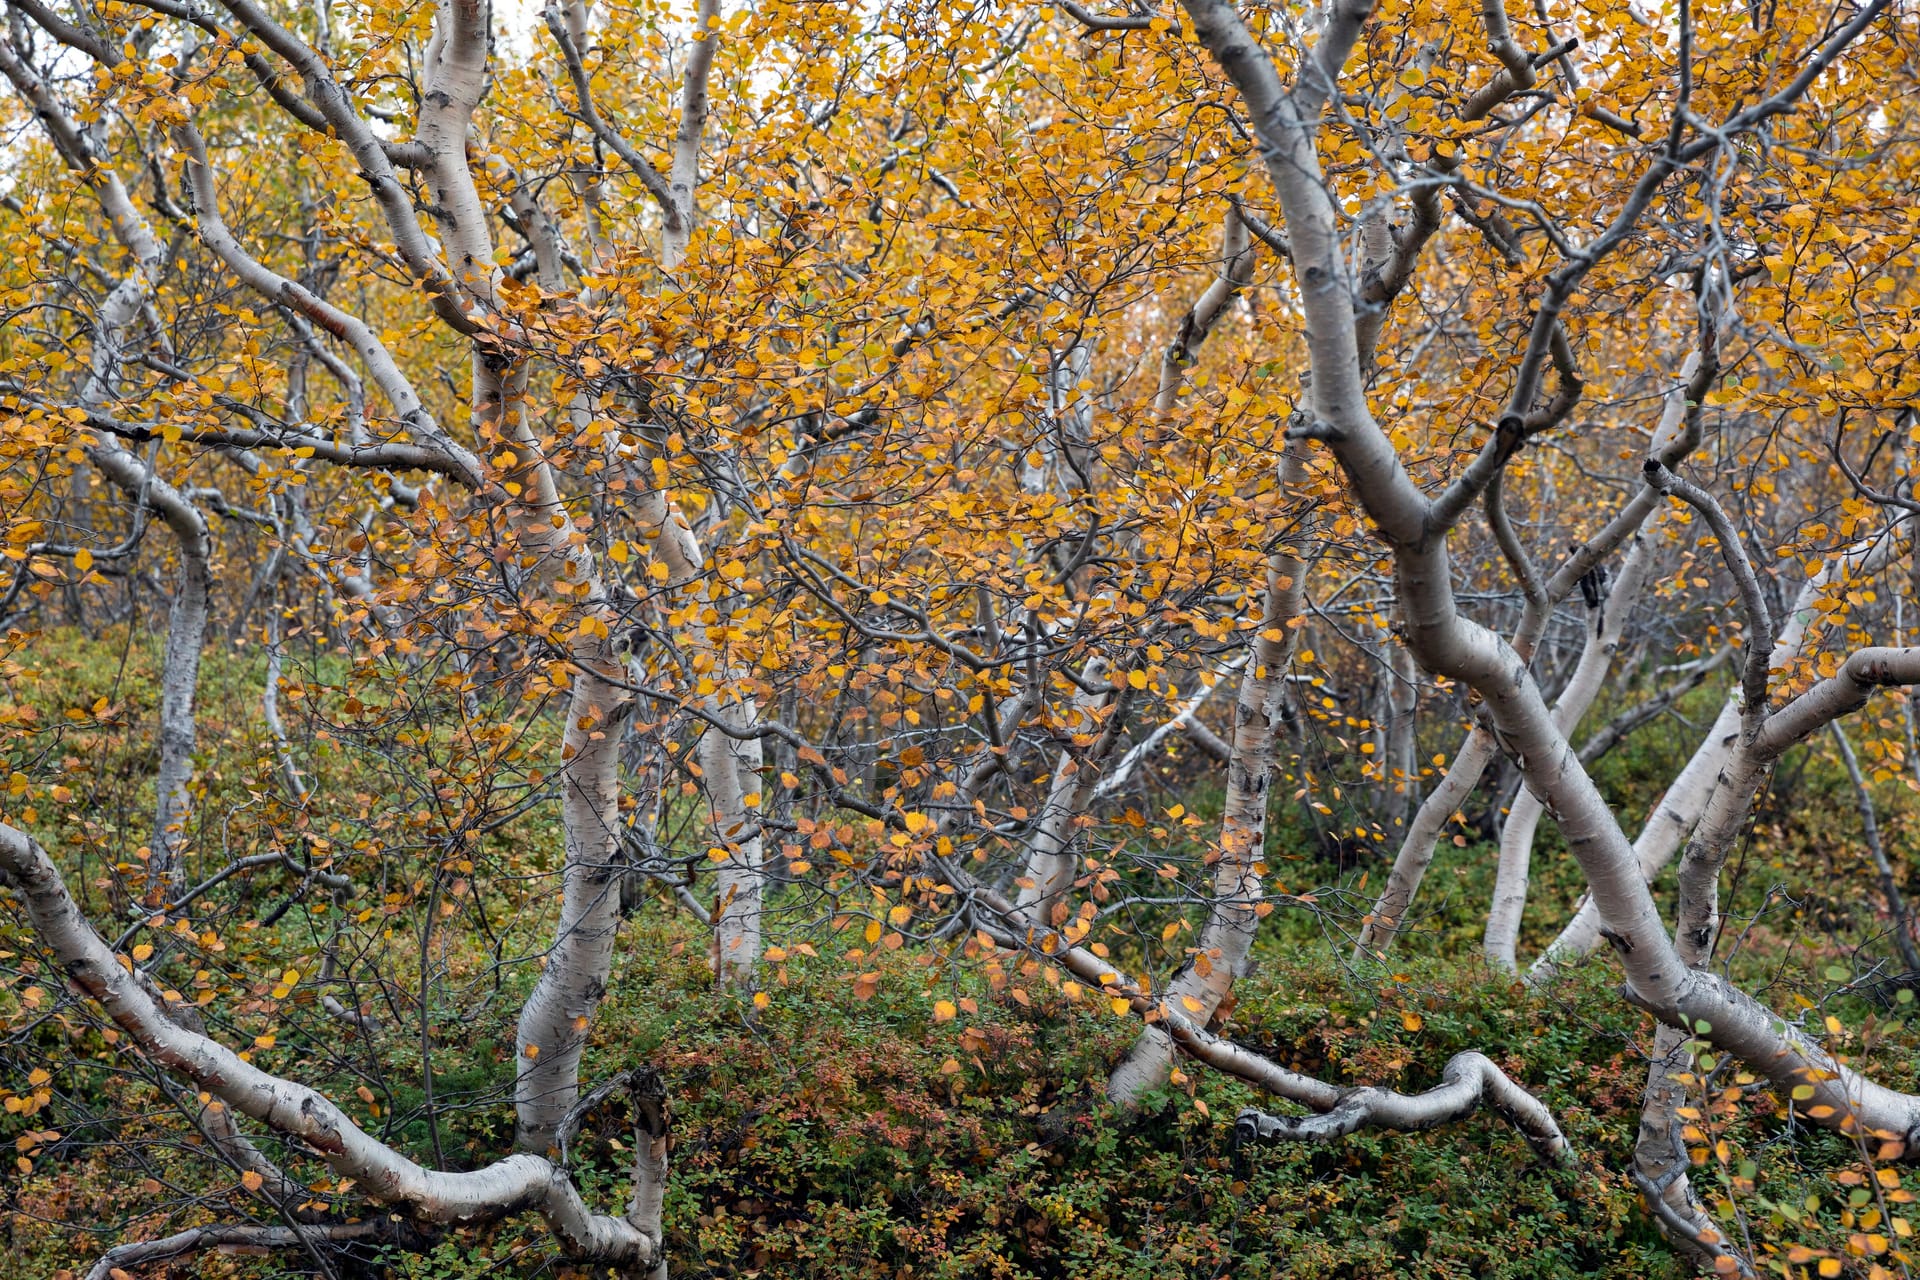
x=1052 y=865
x=1607 y=622
x=1686 y=799
x=1674 y=436
x=1414 y=525
x=1235 y=909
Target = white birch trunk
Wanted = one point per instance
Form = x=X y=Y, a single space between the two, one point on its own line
x=1605 y=627
x=683 y=179
x=1478 y=749
x=295 y=1111
x=1414 y=526
x=1234 y=910
x=1684 y=802
x=1388 y=917
x=1046 y=880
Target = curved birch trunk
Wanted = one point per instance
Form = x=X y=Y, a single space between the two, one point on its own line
x=729 y=753
x=187 y=618
x=1686 y=800
x=382 y=1174
x=1660 y=1159
x=683 y=179
x=729 y=766
x=1606 y=624
x=1235 y=909
x=1414 y=526
x=1469 y=1080
x=558 y=1012
x=1673 y=437
x=555 y=1019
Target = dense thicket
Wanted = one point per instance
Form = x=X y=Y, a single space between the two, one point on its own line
x=950 y=639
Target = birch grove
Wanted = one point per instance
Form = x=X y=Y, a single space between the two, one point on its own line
x=1070 y=510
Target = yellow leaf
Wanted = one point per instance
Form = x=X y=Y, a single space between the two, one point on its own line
x=1138 y=679
x=944 y=1011
x=142 y=951
x=83 y=560
x=252 y=1181
x=1411 y=1020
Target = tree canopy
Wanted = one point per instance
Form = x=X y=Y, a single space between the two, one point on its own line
x=1066 y=501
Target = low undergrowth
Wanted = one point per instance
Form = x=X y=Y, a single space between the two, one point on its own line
x=884 y=1111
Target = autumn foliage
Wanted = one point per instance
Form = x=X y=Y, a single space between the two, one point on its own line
x=834 y=640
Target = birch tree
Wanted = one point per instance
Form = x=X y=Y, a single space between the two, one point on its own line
x=869 y=479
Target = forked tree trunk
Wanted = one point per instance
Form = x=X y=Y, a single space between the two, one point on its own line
x=1686 y=800
x=1415 y=524
x=1673 y=435
x=188 y=612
